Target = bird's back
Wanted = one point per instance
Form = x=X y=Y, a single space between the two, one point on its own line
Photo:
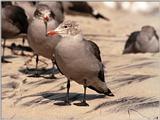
x=130 y=43
x=16 y=15
x=14 y=21
x=145 y=43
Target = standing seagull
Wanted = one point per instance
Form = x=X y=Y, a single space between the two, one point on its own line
x=43 y=20
x=79 y=60
x=14 y=23
x=143 y=41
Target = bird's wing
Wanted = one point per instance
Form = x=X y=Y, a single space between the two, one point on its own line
x=131 y=39
x=82 y=7
x=9 y=30
x=93 y=48
x=18 y=17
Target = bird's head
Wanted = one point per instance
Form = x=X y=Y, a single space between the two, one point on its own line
x=43 y=12
x=150 y=31
x=67 y=28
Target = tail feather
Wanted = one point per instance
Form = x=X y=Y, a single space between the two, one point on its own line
x=108 y=92
x=98 y=16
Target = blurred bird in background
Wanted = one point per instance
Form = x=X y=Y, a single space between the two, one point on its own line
x=80 y=8
x=146 y=40
x=14 y=24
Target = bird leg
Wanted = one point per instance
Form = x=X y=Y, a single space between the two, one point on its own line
x=83 y=103
x=53 y=63
x=28 y=61
x=36 y=74
x=2 y=57
x=37 y=59
x=22 y=52
x=67 y=95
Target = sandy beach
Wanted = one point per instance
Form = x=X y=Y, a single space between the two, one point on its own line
x=133 y=78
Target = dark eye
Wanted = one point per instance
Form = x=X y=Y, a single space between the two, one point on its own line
x=38 y=13
x=65 y=26
x=52 y=15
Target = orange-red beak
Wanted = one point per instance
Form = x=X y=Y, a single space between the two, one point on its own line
x=52 y=33
x=46 y=18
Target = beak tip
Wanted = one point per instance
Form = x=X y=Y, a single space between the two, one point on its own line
x=51 y=33
x=46 y=18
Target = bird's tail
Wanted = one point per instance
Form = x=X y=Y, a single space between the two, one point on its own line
x=101 y=91
x=97 y=15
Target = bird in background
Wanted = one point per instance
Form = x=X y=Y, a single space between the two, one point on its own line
x=145 y=40
x=43 y=20
x=30 y=7
x=14 y=24
x=79 y=60
x=82 y=7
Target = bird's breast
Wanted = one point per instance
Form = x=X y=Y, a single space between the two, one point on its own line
x=74 y=60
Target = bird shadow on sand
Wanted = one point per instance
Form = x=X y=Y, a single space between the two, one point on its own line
x=56 y=98
x=7 y=58
x=18 y=47
x=11 y=88
x=42 y=72
x=125 y=103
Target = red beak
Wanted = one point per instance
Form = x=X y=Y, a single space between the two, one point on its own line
x=46 y=18
x=51 y=33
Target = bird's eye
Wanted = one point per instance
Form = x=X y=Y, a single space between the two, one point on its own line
x=38 y=13
x=65 y=26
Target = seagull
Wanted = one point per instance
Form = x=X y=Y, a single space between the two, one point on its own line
x=43 y=20
x=143 y=41
x=79 y=60
x=73 y=7
x=14 y=24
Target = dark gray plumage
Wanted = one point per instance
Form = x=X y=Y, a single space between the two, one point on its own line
x=28 y=6
x=82 y=7
x=143 y=41
x=14 y=22
x=6 y=3
x=79 y=59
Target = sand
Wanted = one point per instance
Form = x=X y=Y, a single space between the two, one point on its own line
x=133 y=78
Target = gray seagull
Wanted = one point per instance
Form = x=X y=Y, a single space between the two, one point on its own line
x=14 y=23
x=79 y=60
x=143 y=41
x=43 y=20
